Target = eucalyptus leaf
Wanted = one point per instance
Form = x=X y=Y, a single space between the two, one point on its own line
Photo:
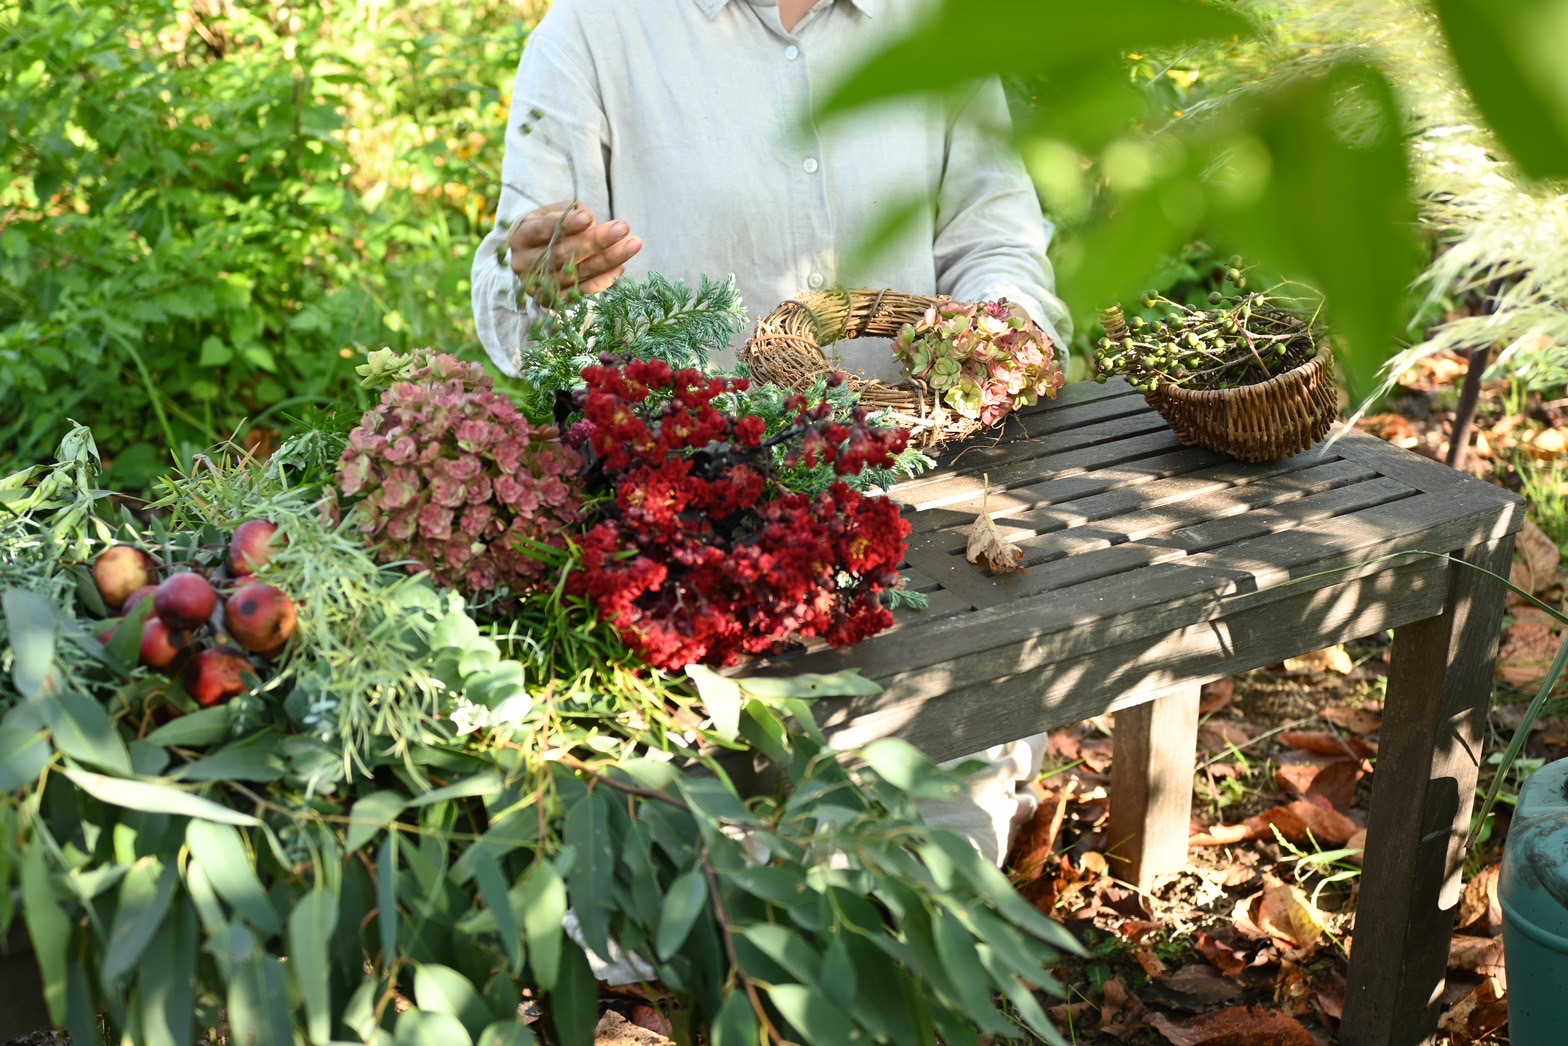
x=586 y=831
x=23 y=756
x=145 y=893
x=386 y=897
x=441 y=989
x=47 y=926
x=34 y=624
x=259 y=1003
x=1334 y=144
x=169 y=984
x=492 y=886
x=253 y=759
x=370 y=814
x=721 y=696
x=810 y=685
x=205 y=726
x=506 y=1033
x=819 y=1021
x=685 y=901
x=543 y=913
x=574 y=1004
x=155 y=798
x=486 y=783
x=229 y=867
x=417 y=1028
x=736 y=1023
x=905 y=766
x=83 y=730
x=310 y=928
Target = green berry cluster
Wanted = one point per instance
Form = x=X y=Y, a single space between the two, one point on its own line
x=1246 y=338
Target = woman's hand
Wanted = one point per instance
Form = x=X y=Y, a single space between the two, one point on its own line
x=561 y=247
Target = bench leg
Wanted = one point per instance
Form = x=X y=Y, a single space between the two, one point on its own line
x=1434 y=721
x=1153 y=750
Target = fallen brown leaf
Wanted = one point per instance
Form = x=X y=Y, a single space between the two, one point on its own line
x=1218 y=735
x=1358 y=719
x=1152 y=965
x=1527 y=653
x=1482 y=955
x=1304 y=821
x=1228 y=959
x=1395 y=428
x=1122 y=1014
x=1330 y=659
x=1479 y=908
x=987 y=547
x=1547 y=443
x=1216 y=694
x=1237 y=1026
x=1535 y=558
x=1284 y=912
x=1481 y=1012
x=1203 y=984
x=1326 y=742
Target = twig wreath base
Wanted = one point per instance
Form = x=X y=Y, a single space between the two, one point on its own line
x=786 y=350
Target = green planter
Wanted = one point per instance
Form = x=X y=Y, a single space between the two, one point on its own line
x=1534 y=892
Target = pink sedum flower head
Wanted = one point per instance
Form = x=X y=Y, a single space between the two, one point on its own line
x=446 y=475
x=985 y=359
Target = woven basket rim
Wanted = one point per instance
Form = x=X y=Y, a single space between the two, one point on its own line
x=1300 y=374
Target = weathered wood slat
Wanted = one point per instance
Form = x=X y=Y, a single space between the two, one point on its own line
x=952 y=709
x=1051 y=623
x=1164 y=505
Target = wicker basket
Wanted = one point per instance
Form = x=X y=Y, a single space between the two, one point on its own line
x=1273 y=419
x=786 y=350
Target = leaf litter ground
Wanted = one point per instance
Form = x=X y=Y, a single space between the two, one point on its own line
x=1248 y=943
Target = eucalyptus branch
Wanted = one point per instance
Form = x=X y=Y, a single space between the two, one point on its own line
x=722 y=916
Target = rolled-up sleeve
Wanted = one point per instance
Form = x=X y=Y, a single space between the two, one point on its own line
x=991 y=236
x=557 y=138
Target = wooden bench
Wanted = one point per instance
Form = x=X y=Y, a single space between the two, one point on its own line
x=1150 y=568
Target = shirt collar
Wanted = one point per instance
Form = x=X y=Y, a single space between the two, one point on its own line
x=711 y=8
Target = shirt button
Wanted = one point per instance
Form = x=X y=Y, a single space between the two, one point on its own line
x=810 y=165
x=815 y=280
x=792 y=52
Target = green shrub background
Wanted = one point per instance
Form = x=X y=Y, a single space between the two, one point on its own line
x=209 y=210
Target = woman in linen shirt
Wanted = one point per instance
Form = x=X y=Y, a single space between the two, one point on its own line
x=676 y=136
x=684 y=129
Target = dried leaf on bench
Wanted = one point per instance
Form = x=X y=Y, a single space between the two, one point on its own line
x=987 y=546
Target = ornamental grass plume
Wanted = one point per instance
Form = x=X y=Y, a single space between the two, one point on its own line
x=448 y=476
x=984 y=359
x=701 y=557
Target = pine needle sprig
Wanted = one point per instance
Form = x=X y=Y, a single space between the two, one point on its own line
x=650 y=319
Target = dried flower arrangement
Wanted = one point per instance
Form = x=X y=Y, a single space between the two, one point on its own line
x=447 y=476
x=984 y=359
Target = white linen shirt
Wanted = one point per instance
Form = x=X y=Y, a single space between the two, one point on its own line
x=692 y=121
